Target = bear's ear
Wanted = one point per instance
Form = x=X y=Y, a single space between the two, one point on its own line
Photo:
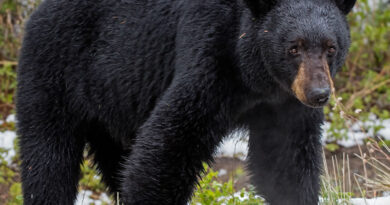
x=345 y=5
x=260 y=7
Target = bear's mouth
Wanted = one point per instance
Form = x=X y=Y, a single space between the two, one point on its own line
x=320 y=104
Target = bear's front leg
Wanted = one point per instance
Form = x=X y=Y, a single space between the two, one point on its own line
x=285 y=152
x=182 y=132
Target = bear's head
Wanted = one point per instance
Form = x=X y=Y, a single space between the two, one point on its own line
x=297 y=45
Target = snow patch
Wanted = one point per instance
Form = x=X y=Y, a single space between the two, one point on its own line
x=222 y=172
x=7 y=142
x=83 y=198
x=359 y=131
x=235 y=145
x=239 y=196
x=374 y=201
x=385 y=132
x=10 y=118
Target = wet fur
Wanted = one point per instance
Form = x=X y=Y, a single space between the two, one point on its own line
x=153 y=87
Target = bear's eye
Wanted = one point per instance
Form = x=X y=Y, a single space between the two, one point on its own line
x=331 y=50
x=293 y=50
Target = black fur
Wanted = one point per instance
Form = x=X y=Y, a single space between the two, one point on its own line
x=154 y=86
x=345 y=5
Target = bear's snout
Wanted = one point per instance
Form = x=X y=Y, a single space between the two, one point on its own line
x=312 y=83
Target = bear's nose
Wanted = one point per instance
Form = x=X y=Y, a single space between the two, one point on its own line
x=319 y=96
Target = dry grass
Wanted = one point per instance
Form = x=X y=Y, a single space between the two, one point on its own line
x=378 y=158
x=337 y=183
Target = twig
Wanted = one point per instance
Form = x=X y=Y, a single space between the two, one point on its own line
x=8 y=62
x=365 y=91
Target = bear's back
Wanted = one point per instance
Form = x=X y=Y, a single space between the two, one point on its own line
x=107 y=60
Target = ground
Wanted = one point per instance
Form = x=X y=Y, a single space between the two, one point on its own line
x=229 y=162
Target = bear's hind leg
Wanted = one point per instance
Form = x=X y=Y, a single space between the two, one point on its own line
x=51 y=155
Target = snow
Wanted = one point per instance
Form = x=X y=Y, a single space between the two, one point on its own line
x=355 y=201
x=238 y=196
x=236 y=145
x=385 y=132
x=11 y=118
x=83 y=198
x=374 y=201
x=222 y=172
x=356 y=134
x=7 y=142
x=353 y=139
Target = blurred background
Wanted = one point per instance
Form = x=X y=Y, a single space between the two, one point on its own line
x=356 y=134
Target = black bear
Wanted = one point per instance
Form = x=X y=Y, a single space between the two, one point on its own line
x=153 y=86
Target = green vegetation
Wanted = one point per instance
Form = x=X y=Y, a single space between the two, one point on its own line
x=90 y=180
x=362 y=86
x=9 y=178
x=211 y=192
x=363 y=83
x=7 y=86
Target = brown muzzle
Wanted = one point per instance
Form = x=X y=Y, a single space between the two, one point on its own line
x=312 y=84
